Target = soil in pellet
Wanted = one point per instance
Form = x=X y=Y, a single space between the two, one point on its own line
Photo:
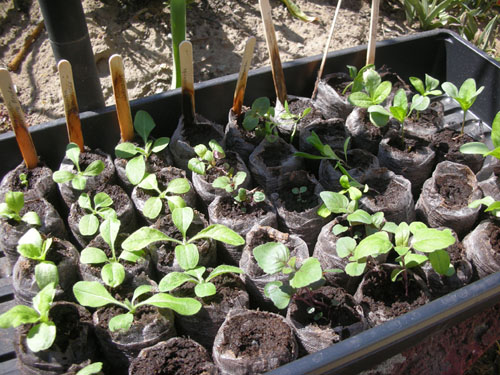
x=453 y=190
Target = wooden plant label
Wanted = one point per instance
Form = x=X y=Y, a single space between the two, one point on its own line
x=121 y=98
x=23 y=136
x=272 y=46
x=372 y=39
x=71 y=111
x=187 y=81
x=241 y=85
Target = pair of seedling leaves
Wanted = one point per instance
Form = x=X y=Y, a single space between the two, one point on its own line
x=11 y=209
x=207 y=158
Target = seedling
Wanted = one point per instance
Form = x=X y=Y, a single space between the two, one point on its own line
x=465 y=97
x=154 y=205
x=480 y=148
x=260 y=119
x=113 y=272
x=91 y=369
x=203 y=286
x=136 y=166
x=357 y=78
x=207 y=158
x=32 y=246
x=298 y=192
x=240 y=195
x=492 y=206
x=78 y=178
x=24 y=180
x=374 y=93
x=93 y=294
x=42 y=334
x=11 y=209
x=295 y=118
x=186 y=252
x=89 y=223
x=430 y=87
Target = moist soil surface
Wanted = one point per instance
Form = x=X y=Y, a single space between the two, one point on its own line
x=384 y=191
x=200 y=133
x=32 y=177
x=454 y=190
x=240 y=211
x=298 y=202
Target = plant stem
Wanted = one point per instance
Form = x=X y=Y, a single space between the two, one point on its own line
x=463 y=124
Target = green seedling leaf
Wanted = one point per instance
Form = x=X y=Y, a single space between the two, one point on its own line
x=339 y=229
x=278 y=294
x=222 y=269
x=197 y=166
x=175 y=201
x=259 y=196
x=19 y=314
x=15 y=201
x=415 y=226
x=41 y=336
x=487 y=201
x=113 y=274
x=272 y=257
x=152 y=207
x=495 y=131
x=31 y=218
x=92 y=294
x=43 y=300
x=187 y=256
x=84 y=201
x=178 y=186
x=78 y=182
x=182 y=306
x=418 y=84
x=395 y=274
x=373 y=245
x=475 y=148
x=174 y=279
x=309 y=273
x=88 y=225
x=219 y=232
x=109 y=230
x=73 y=153
x=204 y=289
x=440 y=262
x=62 y=176
x=92 y=369
x=450 y=89
x=360 y=216
x=30 y=245
x=335 y=202
x=382 y=92
x=94 y=169
x=261 y=105
x=149 y=183
x=402 y=235
x=379 y=116
x=182 y=219
x=126 y=150
x=414 y=260
x=143 y=237
x=160 y=144
x=46 y=273
x=121 y=322
x=360 y=99
x=143 y=124
x=140 y=291
x=355 y=268
x=429 y=240
x=345 y=246
x=419 y=103
x=93 y=255
x=135 y=170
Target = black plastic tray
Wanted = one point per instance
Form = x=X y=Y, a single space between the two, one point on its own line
x=439 y=53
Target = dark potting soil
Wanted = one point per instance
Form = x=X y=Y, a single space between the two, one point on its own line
x=298 y=202
x=339 y=81
x=408 y=144
x=330 y=308
x=88 y=157
x=35 y=205
x=200 y=133
x=260 y=336
x=68 y=323
x=431 y=117
x=174 y=357
x=447 y=145
x=384 y=191
x=230 y=208
x=261 y=237
x=494 y=236
x=454 y=190
x=142 y=316
x=297 y=107
x=372 y=132
x=32 y=176
x=274 y=154
x=354 y=159
x=223 y=167
x=392 y=295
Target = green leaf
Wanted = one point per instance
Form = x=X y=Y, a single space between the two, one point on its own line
x=182 y=219
x=373 y=245
x=88 y=225
x=34 y=240
x=126 y=150
x=73 y=153
x=335 y=202
x=46 y=273
x=450 y=89
x=63 y=176
x=395 y=274
x=382 y=92
x=135 y=170
x=355 y=268
x=239 y=178
x=149 y=183
x=197 y=272
x=197 y=166
x=160 y=144
x=440 y=261
x=41 y=336
x=182 y=306
x=339 y=229
x=78 y=182
x=140 y=291
x=429 y=240
x=271 y=257
x=400 y=101
x=402 y=234
x=415 y=226
x=43 y=300
x=15 y=201
x=223 y=182
x=178 y=186
x=92 y=369
x=275 y=291
x=478 y=148
x=379 y=116
x=85 y=202
x=345 y=246
x=390 y=227
x=495 y=153
x=143 y=237
x=371 y=80
x=418 y=84
x=223 y=268
x=398 y=113
x=132 y=257
x=259 y=196
x=414 y=260
x=204 y=289
x=487 y=201
x=419 y=103
x=31 y=218
x=92 y=294
x=94 y=169
x=93 y=255
x=143 y=124
x=109 y=230
x=495 y=131
x=17 y=315
x=152 y=207
x=113 y=274
x=297 y=12
x=360 y=216
x=360 y=99
x=308 y=273
x=261 y=105
x=175 y=201
x=187 y=256
x=121 y=322
x=219 y=232
x=174 y=279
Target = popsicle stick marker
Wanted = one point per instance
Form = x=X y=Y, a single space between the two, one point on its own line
x=272 y=46
x=372 y=40
x=121 y=98
x=71 y=111
x=325 y=52
x=187 y=81
x=23 y=136
x=241 y=85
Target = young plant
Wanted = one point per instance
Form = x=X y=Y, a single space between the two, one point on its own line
x=428 y=88
x=113 y=272
x=492 y=206
x=482 y=149
x=260 y=119
x=338 y=203
x=207 y=158
x=295 y=118
x=78 y=178
x=186 y=252
x=465 y=96
x=23 y=179
x=298 y=191
x=136 y=166
x=430 y=14
x=154 y=205
x=32 y=246
x=42 y=334
x=93 y=294
x=11 y=209
x=357 y=78
x=91 y=369
x=89 y=223
x=240 y=195
x=374 y=93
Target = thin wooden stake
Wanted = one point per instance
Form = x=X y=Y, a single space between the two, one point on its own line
x=187 y=81
x=23 y=136
x=239 y=92
x=372 y=41
x=30 y=39
x=272 y=46
x=121 y=98
x=325 y=52
x=71 y=111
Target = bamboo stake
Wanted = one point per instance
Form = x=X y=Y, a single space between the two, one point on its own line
x=325 y=52
x=30 y=39
x=187 y=81
x=241 y=85
x=370 y=53
x=121 y=98
x=71 y=111
x=272 y=46
x=23 y=136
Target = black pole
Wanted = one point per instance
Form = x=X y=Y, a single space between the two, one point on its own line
x=69 y=38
